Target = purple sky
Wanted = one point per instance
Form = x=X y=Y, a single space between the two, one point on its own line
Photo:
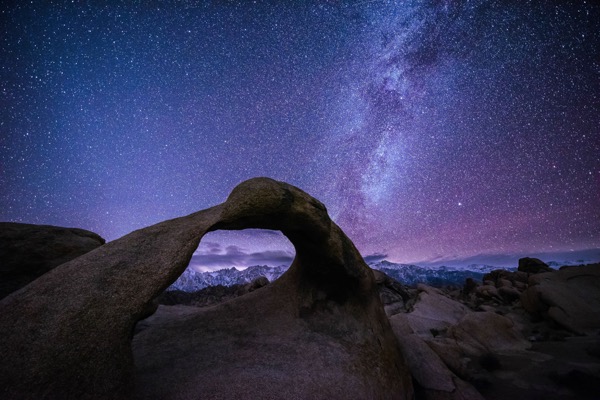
x=430 y=129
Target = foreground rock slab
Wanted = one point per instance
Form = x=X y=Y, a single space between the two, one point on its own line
x=319 y=331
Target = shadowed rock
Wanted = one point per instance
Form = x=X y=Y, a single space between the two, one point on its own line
x=570 y=297
x=317 y=332
x=29 y=251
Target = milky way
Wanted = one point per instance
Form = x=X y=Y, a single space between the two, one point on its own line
x=430 y=129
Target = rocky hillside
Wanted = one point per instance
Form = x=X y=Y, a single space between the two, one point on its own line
x=530 y=333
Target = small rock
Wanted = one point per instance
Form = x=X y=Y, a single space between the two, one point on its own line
x=487 y=292
x=533 y=266
x=509 y=294
x=503 y=283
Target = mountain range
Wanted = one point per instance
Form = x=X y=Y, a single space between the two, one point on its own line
x=450 y=273
x=408 y=274
x=191 y=281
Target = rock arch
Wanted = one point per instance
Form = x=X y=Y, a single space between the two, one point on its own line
x=69 y=333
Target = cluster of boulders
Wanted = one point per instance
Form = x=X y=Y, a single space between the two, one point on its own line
x=569 y=297
x=515 y=334
x=502 y=286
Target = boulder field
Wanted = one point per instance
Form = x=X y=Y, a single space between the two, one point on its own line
x=319 y=332
x=525 y=334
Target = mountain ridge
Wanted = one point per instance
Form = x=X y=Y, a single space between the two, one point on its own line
x=408 y=274
x=450 y=274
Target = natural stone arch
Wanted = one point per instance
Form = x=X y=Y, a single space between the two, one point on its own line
x=68 y=334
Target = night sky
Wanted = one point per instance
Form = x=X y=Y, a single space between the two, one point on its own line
x=431 y=130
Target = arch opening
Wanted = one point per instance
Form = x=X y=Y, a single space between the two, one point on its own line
x=232 y=259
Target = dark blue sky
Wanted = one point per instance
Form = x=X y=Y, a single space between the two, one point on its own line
x=430 y=129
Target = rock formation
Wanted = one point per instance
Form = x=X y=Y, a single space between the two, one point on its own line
x=29 y=251
x=317 y=332
x=533 y=265
x=431 y=315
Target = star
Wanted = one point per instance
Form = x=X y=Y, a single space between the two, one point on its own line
x=116 y=117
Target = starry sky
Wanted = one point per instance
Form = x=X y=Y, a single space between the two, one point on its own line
x=431 y=130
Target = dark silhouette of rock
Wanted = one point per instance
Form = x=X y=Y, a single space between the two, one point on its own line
x=508 y=293
x=533 y=265
x=257 y=283
x=500 y=277
x=488 y=292
x=570 y=297
x=28 y=251
x=319 y=331
x=469 y=286
x=500 y=286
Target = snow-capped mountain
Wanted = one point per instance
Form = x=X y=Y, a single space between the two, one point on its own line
x=191 y=281
x=443 y=273
x=558 y=264
x=408 y=274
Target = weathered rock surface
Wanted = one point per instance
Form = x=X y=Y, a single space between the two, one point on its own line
x=478 y=333
x=503 y=278
x=317 y=332
x=394 y=295
x=28 y=251
x=570 y=297
x=434 y=312
x=432 y=315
